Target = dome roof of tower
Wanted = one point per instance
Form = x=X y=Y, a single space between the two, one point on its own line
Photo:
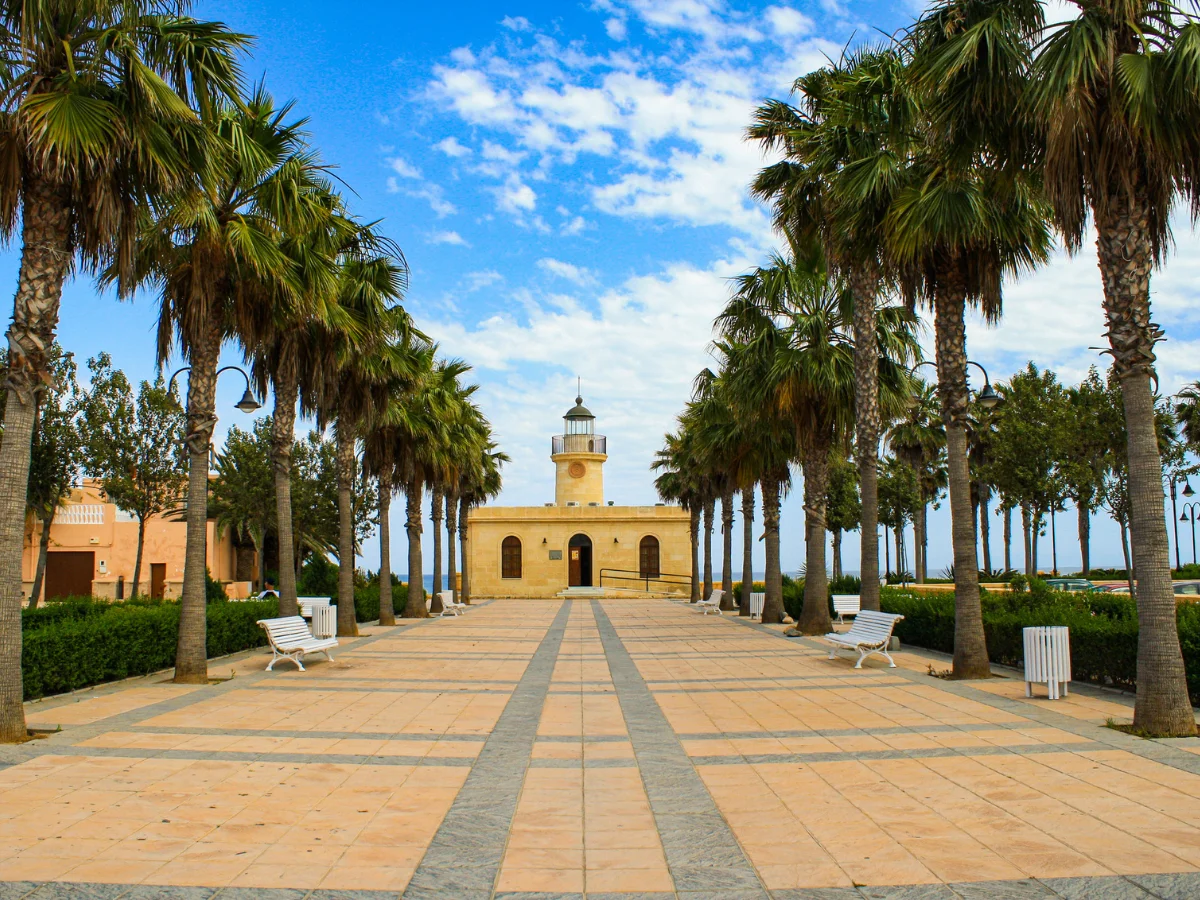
x=579 y=411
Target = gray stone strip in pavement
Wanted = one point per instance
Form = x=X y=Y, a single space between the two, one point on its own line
x=464 y=857
x=1159 y=751
x=932 y=728
x=1175 y=886
x=702 y=853
x=583 y=764
x=266 y=756
x=335 y=735
x=728 y=759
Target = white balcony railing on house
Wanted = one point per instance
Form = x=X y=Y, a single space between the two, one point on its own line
x=81 y=514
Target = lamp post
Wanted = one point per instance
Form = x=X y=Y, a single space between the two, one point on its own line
x=987 y=397
x=247 y=404
x=1187 y=492
x=1189 y=515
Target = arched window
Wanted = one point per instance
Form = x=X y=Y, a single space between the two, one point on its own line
x=510 y=557
x=648 y=557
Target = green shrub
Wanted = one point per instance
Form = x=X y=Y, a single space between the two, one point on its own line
x=318 y=577
x=756 y=587
x=793 y=596
x=846 y=584
x=1104 y=629
x=121 y=640
x=214 y=591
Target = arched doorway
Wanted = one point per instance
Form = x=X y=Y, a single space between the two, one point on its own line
x=579 y=567
x=648 y=552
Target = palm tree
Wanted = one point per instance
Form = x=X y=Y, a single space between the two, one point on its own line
x=1111 y=100
x=679 y=482
x=835 y=185
x=957 y=228
x=718 y=442
x=214 y=253
x=481 y=482
x=471 y=435
x=98 y=119
x=803 y=339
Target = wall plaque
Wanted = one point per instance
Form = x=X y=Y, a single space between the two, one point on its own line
x=556 y=554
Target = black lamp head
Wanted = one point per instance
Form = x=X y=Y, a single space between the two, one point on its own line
x=247 y=404
x=988 y=398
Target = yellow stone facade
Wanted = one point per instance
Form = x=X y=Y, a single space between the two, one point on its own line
x=577 y=541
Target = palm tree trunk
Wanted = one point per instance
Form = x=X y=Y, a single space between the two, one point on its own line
x=919 y=541
x=727 y=548
x=898 y=535
x=387 y=609
x=887 y=563
x=1035 y=531
x=970 y=644
x=694 y=534
x=1007 y=538
x=137 y=562
x=45 y=260
x=1085 y=534
x=864 y=286
x=415 y=608
x=837 y=553
x=451 y=520
x=191 y=654
x=1129 y=573
x=985 y=525
x=1025 y=529
x=747 y=548
x=283 y=438
x=464 y=507
x=709 y=508
x=436 y=514
x=43 y=552
x=814 y=614
x=1123 y=242
x=347 y=621
x=773 y=611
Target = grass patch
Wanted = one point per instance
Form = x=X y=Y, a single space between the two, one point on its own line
x=1130 y=728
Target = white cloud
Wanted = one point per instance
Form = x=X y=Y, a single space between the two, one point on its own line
x=567 y=271
x=616 y=28
x=476 y=281
x=516 y=196
x=404 y=169
x=451 y=147
x=517 y=23
x=785 y=20
x=448 y=237
x=573 y=226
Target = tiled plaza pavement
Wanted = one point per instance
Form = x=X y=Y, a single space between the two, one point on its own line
x=607 y=749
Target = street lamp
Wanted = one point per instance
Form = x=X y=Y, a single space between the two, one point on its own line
x=1187 y=492
x=987 y=397
x=247 y=404
x=1190 y=508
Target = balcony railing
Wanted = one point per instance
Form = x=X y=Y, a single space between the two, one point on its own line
x=578 y=443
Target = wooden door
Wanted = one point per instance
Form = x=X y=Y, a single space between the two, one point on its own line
x=575 y=578
x=69 y=573
x=158 y=580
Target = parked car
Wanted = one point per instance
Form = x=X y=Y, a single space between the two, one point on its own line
x=1188 y=588
x=1112 y=588
x=1070 y=584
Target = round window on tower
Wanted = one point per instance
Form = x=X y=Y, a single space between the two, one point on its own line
x=576 y=470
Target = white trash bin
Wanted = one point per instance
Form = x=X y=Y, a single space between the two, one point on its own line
x=1047 y=658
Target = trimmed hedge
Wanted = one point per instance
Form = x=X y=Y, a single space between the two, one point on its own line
x=92 y=641
x=1104 y=629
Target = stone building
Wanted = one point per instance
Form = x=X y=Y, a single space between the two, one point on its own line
x=580 y=543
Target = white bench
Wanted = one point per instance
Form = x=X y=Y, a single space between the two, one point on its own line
x=757 y=602
x=870 y=633
x=846 y=605
x=290 y=639
x=712 y=604
x=449 y=607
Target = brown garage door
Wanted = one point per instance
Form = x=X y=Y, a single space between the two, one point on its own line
x=69 y=574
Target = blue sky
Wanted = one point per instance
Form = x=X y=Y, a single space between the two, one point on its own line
x=568 y=182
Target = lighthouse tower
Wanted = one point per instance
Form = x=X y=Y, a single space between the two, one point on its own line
x=578 y=454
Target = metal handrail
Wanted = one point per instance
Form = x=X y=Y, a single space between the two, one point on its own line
x=636 y=575
x=578 y=443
